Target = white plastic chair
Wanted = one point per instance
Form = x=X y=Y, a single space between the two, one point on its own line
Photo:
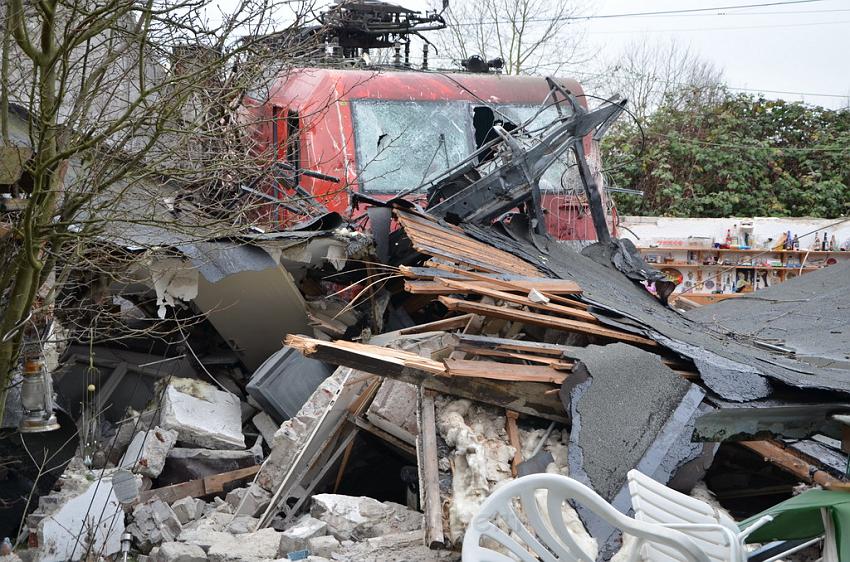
x=548 y=538
x=713 y=532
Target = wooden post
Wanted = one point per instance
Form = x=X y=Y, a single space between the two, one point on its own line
x=513 y=437
x=429 y=472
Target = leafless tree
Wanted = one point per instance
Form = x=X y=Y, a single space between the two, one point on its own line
x=651 y=73
x=530 y=36
x=120 y=116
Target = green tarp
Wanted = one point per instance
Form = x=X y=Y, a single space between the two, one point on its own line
x=800 y=518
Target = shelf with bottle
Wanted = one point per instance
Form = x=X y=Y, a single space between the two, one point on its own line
x=646 y=249
x=736 y=266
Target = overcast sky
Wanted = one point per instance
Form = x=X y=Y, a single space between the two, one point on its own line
x=800 y=48
x=789 y=51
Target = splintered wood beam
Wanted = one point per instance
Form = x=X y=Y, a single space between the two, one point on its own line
x=513 y=437
x=452 y=244
x=524 y=396
x=510 y=285
x=429 y=470
x=486 y=352
x=789 y=461
x=199 y=487
x=464 y=286
x=503 y=371
x=544 y=320
x=493 y=281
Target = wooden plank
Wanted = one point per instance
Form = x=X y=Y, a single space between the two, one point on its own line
x=199 y=487
x=789 y=461
x=513 y=437
x=508 y=284
x=523 y=346
x=557 y=323
x=435 y=239
x=516 y=283
x=446 y=324
x=503 y=371
x=369 y=357
x=521 y=300
x=483 y=351
x=434 y=287
x=429 y=471
x=525 y=397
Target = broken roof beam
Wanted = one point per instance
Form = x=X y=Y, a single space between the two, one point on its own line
x=792 y=462
x=512 y=285
x=526 y=397
x=517 y=283
x=503 y=371
x=451 y=243
x=543 y=320
x=558 y=309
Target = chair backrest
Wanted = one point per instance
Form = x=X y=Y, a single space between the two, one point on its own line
x=545 y=536
x=654 y=502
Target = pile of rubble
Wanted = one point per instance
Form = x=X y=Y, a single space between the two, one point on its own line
x=447 y=354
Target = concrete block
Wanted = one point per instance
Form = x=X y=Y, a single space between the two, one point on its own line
x=397 y=547
x=153 y=523
x=253 y=500
x=394 y=410
x=252 y=547
x=359 y=518
x=202 y=415
x=322 y=546
x=296 y=537
x=188 y=509
x=225 y=522
x=147 y=451
x=82 y=503
x=203 y=538
x=266 y=426
x=180 y=552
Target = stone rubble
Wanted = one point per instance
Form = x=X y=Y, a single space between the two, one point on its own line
x=260 y=546
x=304 y=529
x=188 y=509
x=202 y=415
x=153 y=523
x=251 y=501
x=362 y=518
x=180 y=552
x=148 y=450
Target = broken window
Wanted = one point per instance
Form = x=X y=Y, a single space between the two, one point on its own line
x=401 y=144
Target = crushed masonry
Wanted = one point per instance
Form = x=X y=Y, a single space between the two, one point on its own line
x=350 y=391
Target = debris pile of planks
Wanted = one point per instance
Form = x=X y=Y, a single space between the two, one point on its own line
x=483 y=331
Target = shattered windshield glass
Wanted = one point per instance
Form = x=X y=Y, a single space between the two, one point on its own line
x=400 y=144
x=555 y=178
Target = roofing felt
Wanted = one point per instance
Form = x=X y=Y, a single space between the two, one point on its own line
x=735 y=368
x=809 y=314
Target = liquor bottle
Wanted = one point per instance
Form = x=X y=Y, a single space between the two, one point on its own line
x=728 y=237
x=816 y=244
x=795 y=244
x=824 y=243
x=833 y=244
